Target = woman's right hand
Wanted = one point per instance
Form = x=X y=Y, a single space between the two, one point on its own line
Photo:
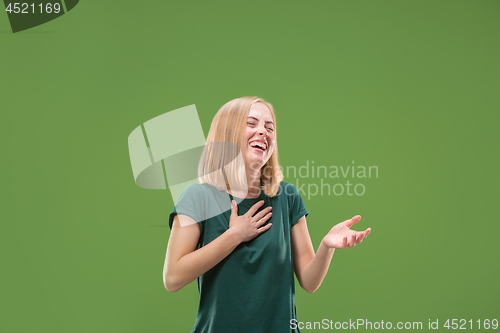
x=248 y=226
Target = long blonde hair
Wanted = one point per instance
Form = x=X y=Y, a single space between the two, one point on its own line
x=221 y=163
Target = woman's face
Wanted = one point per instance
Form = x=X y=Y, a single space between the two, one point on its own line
x=259 y=136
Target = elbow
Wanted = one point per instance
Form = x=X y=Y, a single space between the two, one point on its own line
x=171 y=288
x=309 y=289
x=170 y=284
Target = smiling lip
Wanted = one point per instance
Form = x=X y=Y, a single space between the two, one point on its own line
x=260 y=141
x=258 y=149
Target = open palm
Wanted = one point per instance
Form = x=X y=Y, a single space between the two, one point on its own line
x=341 y=235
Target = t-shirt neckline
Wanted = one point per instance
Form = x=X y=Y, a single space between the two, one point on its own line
x=260 y=196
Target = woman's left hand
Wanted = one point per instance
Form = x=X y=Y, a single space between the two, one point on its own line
x=341 y=236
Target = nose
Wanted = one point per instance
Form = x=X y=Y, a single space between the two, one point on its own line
x=262 y=130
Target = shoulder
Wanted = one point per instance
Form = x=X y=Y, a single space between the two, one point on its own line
x=197 y=191
x=294 y=200
x=289 y=193
x=195 y=188
x=197 y=196
x=193 y=201
x=288 y=189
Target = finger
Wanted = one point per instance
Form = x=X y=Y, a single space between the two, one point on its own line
x=261 y=214
x=254 y=208
x=351 y=222
x=234 y=208
x=364 y=234
x=352 y=243
x=263 y=220
x=344 y=243
x=264 y=228
x=359 y=237
x=350 y=240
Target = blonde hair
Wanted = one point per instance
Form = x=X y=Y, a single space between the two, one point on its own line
x=221 y=163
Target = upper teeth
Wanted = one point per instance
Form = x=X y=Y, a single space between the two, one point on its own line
x=258 y=144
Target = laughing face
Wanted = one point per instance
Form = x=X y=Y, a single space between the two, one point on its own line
x=259 y=136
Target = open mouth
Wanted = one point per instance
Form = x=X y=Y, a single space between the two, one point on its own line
x=259 y=146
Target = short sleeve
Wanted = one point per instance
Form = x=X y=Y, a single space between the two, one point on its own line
x=191 y=203
x=296 y=206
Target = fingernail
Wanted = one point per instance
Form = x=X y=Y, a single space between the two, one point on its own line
x=233 y=202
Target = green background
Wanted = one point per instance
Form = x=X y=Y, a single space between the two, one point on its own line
x=408 y=86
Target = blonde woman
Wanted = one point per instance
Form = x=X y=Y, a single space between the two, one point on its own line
x=242 y=232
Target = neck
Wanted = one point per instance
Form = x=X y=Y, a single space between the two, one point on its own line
x=253 y=182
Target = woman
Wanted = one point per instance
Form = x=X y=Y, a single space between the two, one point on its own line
x=242 y=233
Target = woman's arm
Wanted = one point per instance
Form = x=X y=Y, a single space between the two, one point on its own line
x=183 y=264
x=311 y=268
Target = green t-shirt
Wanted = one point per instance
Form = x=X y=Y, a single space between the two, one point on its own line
x=253 y=288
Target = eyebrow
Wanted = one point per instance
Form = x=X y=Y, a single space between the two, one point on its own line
x=266 y=122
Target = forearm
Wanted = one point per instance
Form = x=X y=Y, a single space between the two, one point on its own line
x=194 y=264
x=314 y=271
